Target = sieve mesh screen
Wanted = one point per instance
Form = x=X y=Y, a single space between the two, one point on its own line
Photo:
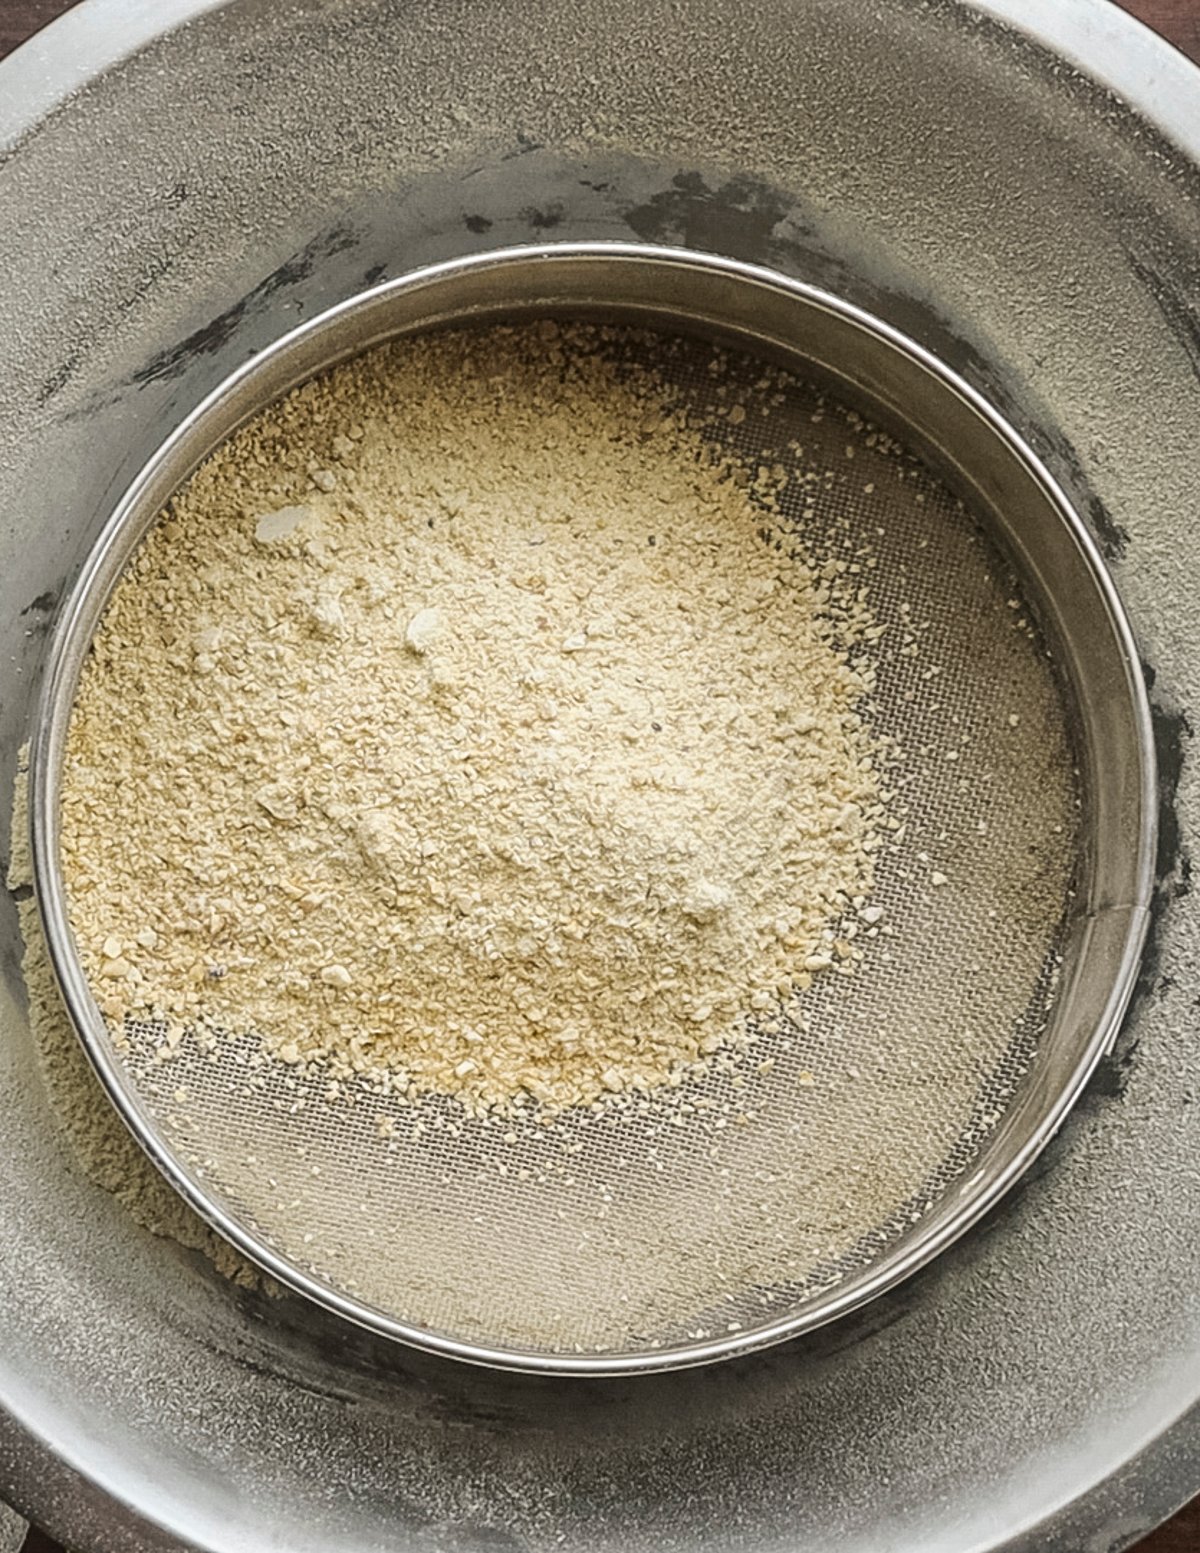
x=779 y=1176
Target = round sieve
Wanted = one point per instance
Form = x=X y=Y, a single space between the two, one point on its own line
x=904 y=1099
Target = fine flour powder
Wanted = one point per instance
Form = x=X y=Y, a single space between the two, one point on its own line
x=469 y=720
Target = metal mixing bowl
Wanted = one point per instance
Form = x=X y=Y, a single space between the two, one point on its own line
x=1016 y=189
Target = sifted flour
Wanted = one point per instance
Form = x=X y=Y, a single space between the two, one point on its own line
x=467 y=720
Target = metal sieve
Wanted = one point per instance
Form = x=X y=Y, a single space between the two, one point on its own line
x=903 y=1100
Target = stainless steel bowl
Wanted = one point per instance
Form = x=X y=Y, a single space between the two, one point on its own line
x=1015 y=188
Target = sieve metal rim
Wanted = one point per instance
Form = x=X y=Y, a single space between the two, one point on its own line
x=1124 y=917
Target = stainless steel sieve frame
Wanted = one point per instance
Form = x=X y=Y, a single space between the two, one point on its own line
x=900 y=384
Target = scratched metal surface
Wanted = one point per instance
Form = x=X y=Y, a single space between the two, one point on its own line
x=962 y=1412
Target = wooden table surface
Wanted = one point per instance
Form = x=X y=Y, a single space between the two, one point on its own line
x=1178 y=20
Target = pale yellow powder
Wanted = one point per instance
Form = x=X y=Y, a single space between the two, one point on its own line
x=466 y=719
